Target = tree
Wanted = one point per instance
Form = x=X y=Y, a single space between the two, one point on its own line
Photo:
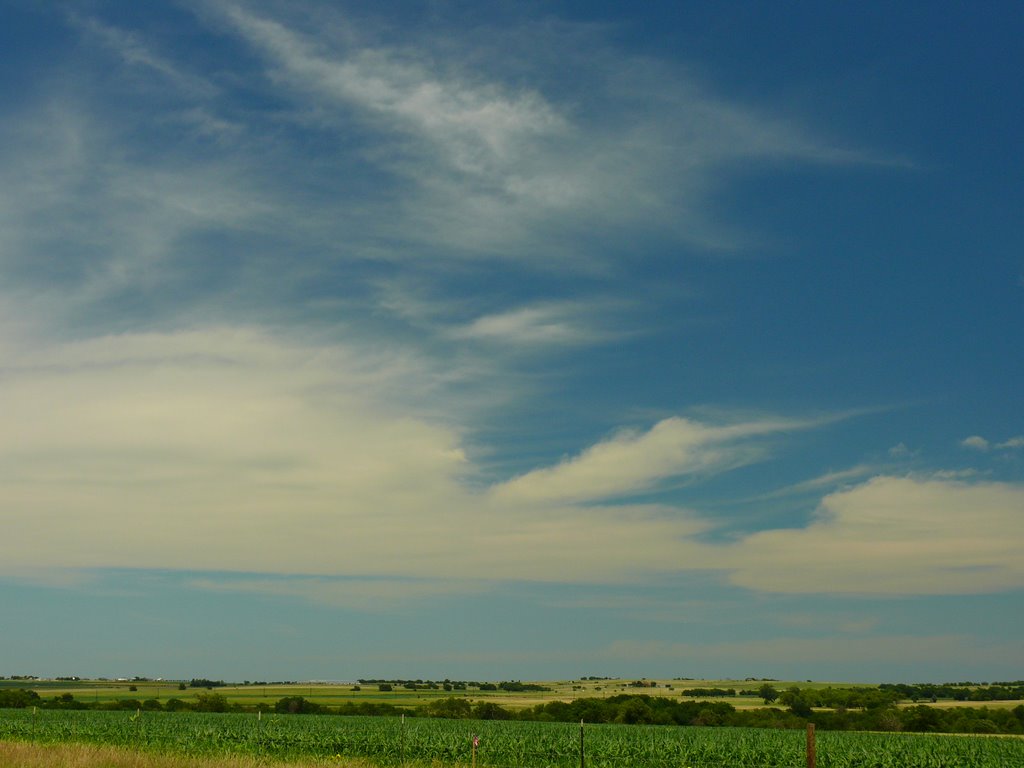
x=211 y=702
x=19 y=698
x=796 y=701
x=452 y=708
x=488 y=710
x=768 y=693
x=634 y=712
x=296 y=705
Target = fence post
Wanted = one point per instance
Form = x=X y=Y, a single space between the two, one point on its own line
x=582 y=758
x=811 y=747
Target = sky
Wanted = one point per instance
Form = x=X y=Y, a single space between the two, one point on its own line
x=529 y=340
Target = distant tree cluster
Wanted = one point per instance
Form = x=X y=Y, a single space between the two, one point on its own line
x=1002 y=691
x=417 y=685
x=452 y=685
x=707 y=693
x=517 y=687
x=662 y=710
x=202 y=682
x=18 y=698
x=860 y=708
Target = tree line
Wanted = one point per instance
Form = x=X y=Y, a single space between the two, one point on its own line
x=878 y=715
x=452 y=685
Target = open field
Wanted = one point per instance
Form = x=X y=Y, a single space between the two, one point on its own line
x=24 y=755
x=394 y=741
x=336 y=693
x=333 y=694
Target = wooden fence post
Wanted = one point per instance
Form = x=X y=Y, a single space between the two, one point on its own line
x=811 y=748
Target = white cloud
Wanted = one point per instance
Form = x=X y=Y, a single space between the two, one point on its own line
x=543 y=325
x=894 y=535
x=975 y=442
x=978 y=443
x=226 y=436
x=228 y=449
x=828 y=480
x=632 y=462
x=83 y=222
x=479 y=129
x=520 y=169
x=420 y=157
x=232 y=450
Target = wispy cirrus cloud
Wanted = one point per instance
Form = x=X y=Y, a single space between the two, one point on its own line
x=239 y=451
x=552 y=324
x=345 y=153
x=474 y=125
x=979 y=443
x=235 y=451
x=633 y=462
x=135 y=51
x=133 y=238
x=95 y=228
x=509 y=168
x=827 y=481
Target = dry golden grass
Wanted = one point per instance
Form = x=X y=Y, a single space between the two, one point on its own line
x=23 y=755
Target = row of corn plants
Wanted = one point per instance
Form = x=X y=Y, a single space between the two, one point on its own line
x=503 y=744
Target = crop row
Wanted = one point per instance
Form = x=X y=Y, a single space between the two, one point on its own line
x=397 y=741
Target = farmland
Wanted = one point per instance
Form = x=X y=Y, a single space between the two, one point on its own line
x=399 y=741
x=252 y=695
x=15 y=754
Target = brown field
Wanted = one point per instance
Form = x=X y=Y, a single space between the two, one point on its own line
x=22 y=755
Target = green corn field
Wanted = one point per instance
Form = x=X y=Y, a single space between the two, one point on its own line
x=503 y=744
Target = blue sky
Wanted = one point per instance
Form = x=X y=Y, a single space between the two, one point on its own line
x=434 y=340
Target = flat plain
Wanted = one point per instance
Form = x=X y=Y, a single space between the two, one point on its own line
x=334 y=693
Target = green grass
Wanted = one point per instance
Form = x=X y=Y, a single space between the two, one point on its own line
x=96 y=691
x=416 y=741
x=339 y=693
